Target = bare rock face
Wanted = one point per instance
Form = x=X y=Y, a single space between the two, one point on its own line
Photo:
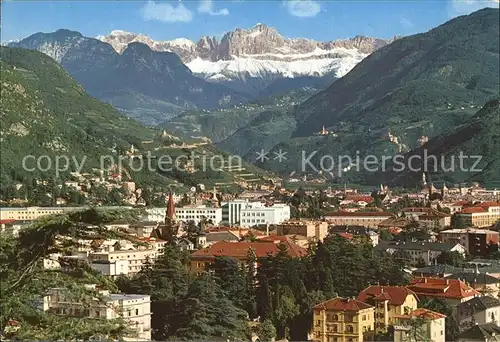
x=260 y=39
x=260 y=52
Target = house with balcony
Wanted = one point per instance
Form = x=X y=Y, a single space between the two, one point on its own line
x=389 y=302
x=343 y=320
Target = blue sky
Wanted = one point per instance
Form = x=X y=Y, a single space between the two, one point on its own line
x=163 y=20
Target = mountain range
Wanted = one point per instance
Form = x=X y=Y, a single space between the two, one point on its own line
x=147 y=85
x=410 y=91
x=251 y=59
x=46 y=113
x=153 y=81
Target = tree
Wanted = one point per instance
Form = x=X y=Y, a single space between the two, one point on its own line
x=231 y=278
x=167 y=282
x=386 y=235
x=206 y=313
x=24 y=278
x=266 y=331
x=458 y=222
x=451 y=258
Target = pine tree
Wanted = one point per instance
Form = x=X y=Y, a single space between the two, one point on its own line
x=25 y=280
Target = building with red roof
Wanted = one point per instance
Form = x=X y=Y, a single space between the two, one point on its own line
x=240 y=251
x=389 y=301
x=453 y=291
x=482 y=214
x=343 y=319
x=370 y=219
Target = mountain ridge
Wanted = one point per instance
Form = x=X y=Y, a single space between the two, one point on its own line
x=252 y=59
x=150 y=92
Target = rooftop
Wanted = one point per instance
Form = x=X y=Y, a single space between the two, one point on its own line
x=423 y=246
x=483 y=332
x=478 y=304
x=468 y=230
x=423 y=313
x=240 y=250
x=343 y=304
x=474 y=278
x=445 y=288
x=359 y=214
x=119 y=296
x=396 y=295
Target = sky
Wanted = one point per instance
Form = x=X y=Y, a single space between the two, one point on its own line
x=164 y=20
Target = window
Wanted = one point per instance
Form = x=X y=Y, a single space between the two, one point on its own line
x=136 y=312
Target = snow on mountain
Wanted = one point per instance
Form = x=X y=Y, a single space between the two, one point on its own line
x=288 y=66
x=257 y=52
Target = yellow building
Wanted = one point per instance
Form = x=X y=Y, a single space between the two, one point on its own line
x=317 y=230
x=481 y=215
x=390 y=302
x=343 y=320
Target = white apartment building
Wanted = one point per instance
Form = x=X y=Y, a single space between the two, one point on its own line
x=257 y=213
x=111 y=268
x=136 y=258
x=187 y=213
x=231 y=211
x=110 y=261
x=134 y=308
x=33 y=213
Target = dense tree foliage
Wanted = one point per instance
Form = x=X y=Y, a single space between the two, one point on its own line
x=24 y=281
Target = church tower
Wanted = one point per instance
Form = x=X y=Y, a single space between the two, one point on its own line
x=170 y=213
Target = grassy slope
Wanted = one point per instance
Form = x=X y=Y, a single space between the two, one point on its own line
x=424 y=84
x=45 y=112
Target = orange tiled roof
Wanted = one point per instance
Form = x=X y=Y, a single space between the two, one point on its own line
x=239 y=250
x=416 y=209
x=486 y=205
x=396 y=295
x=460 y=203
x=423 y=313
x=438 y=287
x=274 y=238
x=345 y=235
x=359 y=198
x=472 y=210
x=343 y=304
x=359 y=213
x=7 y=221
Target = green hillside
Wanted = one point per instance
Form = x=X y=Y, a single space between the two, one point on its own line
x=238 y=128
x=46 y=113
x=477 y=140
x=421 y=85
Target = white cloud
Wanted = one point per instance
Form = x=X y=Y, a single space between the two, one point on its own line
x=303 y=8
x=406 y=23
x=207 y=7
x=461 y=7
x=166 y=12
